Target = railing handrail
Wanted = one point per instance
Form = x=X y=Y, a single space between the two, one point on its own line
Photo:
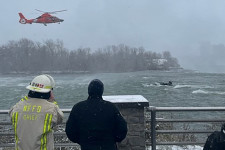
x=185 y=108
x=158 y=109
x=6 y=111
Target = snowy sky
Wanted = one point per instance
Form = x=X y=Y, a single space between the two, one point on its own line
x=179 y=26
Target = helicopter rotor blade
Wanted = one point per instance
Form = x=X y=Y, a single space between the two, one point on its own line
x=56 y=11
x=39 y=10
x=53 y=12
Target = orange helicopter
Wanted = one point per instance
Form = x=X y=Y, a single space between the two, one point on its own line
x=45 y=18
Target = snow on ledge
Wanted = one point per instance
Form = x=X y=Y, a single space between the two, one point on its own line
x=125 y=99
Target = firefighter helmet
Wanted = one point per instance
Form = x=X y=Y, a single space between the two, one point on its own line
x=42 y=84
x=52 y=80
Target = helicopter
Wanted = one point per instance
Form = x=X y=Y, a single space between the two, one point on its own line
x=45 y=18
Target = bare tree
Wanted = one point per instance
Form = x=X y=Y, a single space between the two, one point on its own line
x=25 y=55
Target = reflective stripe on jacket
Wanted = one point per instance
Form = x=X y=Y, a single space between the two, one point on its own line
x=33 y=120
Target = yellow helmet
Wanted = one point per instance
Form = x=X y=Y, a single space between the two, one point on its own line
x=42 y=84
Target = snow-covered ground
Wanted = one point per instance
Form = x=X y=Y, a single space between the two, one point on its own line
x=188 y=147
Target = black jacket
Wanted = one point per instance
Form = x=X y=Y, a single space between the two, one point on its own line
x=96 y=124
x=216 y=141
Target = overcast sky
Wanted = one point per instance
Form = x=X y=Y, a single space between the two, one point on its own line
x=183 y=27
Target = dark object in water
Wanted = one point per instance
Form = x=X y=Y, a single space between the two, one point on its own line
x=169 y=83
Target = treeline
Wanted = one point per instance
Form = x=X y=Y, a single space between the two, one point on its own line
x=28 y=56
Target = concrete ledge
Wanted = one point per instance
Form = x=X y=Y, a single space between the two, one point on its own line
x=128 y=100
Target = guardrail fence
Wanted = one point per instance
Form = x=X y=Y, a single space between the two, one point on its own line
x=163 y=126
x=181 y=125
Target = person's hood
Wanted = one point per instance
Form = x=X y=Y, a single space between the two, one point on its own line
x=95 y=88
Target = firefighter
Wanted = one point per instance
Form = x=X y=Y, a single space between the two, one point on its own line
x=35 y=116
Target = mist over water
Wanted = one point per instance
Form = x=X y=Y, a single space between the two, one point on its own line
x=204 y=57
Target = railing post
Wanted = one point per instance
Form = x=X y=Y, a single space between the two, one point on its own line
x=153 y=125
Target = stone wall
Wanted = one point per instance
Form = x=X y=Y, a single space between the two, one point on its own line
x=132 y=109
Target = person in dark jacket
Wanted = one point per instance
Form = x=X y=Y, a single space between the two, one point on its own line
x=216 y=141
x=96 y=124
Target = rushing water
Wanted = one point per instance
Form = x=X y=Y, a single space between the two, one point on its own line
x=189 y=88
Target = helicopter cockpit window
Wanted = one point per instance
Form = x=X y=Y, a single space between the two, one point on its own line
x=53 y=18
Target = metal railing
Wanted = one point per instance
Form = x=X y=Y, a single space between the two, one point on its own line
x=164 y=126
x=186 y=122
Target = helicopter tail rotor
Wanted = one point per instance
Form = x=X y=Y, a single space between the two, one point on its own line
x=22 y=20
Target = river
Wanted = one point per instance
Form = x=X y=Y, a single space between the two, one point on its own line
x=190 y=88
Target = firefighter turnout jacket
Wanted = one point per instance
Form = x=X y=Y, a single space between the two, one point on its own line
x=33 y=120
